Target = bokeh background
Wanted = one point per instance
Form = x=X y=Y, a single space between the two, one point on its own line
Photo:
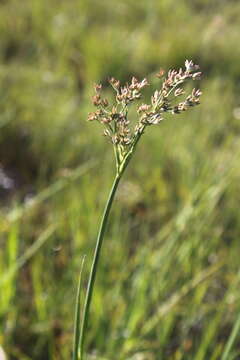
x=168 y=282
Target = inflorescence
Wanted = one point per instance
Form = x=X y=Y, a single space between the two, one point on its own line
x=115 y=117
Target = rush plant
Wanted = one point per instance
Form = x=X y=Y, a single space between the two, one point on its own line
x=124 y=137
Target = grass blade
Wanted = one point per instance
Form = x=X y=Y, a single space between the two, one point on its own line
x=231 y=339
x=31 y=251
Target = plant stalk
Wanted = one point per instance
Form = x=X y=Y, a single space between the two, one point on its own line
x=93 y=271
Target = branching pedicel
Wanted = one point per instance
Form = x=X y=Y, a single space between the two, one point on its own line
x=124 y=139
x=115 y=118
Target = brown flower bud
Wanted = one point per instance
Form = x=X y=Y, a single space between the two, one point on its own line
x=190 y=66
x=105 y=120
x=96 y=99
x=160 y=73
x=92 y=116
x=97 y=87
x=115 y=83
x=178 y=92
x=104 y=103
x=197 y=76
x=143 y=108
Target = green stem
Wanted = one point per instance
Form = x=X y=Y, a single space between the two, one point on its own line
x=77 y=315
x=93 y=271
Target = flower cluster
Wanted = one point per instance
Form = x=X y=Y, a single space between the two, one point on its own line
x=163 y=100
x=130 y=92
x=115 y=117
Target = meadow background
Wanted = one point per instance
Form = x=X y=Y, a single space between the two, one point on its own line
x=169 y=278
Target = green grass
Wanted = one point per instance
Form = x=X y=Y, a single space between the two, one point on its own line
x=168 y=285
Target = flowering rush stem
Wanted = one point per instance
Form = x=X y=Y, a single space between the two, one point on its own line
x=93 y=271
x=124 y=138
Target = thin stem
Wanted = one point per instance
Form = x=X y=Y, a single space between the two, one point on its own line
x=93 y=271
x=77 y=315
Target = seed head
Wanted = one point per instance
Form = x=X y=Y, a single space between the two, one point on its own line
x=124 y=135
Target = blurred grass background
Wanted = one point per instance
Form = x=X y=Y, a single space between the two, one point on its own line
x=168 y=285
